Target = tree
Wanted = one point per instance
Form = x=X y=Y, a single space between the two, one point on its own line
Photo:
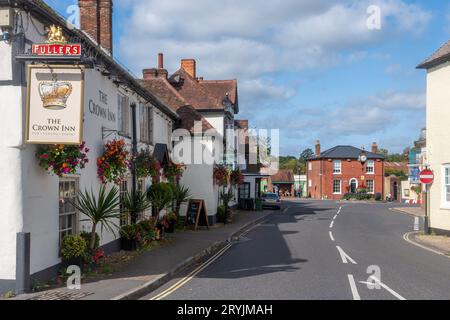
x=305 y=155
x=102 y=210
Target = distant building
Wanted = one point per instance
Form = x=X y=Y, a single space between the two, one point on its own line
x=337 y=171
x=283 y=183
x=438 y=137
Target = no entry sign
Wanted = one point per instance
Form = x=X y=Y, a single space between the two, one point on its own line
x=426 y=176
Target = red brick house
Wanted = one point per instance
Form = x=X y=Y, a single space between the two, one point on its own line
x=344 y=169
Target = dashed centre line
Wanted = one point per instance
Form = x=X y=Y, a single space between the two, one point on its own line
x=331 y=224
x=331 y=236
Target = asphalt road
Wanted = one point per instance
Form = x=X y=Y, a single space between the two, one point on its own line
x=320 y=250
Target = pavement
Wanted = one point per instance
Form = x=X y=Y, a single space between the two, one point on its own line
x=411 y=210
x=320 y=250
x=153 y=268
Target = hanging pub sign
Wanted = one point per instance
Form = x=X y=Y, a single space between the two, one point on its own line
x=56 y=45
x=55 y=95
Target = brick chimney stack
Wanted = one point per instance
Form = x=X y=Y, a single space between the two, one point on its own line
x=96 y=20
x=105 y=19
x=374 y=147
x=189 y=65
x=89 y=17
x=159 y=72
x=318 y=148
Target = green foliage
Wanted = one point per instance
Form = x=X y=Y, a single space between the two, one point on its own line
x=396 y=172
x=358 y=196
x=87 y=237
x=135 y=203
x=160 y=195
x=292 y=163
x=305 y=155
x=102 y=209
x=131 y=232
x=221 y=213
x=181 y=194
x=73 y=246
x=417 y=190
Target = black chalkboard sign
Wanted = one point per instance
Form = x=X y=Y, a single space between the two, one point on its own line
x=196 y=214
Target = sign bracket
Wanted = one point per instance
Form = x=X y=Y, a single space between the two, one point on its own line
x=108 y=132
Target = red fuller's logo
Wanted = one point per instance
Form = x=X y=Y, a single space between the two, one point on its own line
x=56 y=45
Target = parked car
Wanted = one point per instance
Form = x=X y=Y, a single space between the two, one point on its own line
x=271 y=200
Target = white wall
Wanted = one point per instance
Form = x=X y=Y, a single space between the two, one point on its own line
x=438 y=140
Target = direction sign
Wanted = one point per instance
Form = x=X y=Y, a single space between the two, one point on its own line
x=426 y=176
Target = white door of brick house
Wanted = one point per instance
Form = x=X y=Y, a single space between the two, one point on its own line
x=68 y=215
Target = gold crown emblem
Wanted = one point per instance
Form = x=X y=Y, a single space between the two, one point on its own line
x=55 y=35
x=54 y=94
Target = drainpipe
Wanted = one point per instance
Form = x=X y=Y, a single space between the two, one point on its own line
x=133 y=151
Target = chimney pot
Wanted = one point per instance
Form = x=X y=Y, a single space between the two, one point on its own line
x=160 y=61
x=189 y=65
x=318 y=148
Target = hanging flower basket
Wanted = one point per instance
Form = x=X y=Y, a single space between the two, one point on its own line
x=113 y=164
x=236 y=177
x=173 y=172
x=147 y=166
x=221 y=175
x=62 y=159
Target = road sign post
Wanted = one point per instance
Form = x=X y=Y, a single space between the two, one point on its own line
x=427 y=177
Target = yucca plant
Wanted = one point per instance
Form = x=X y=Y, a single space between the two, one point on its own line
x=160 y=195
x=181 y=194
x=135 y=203
x=100 y=210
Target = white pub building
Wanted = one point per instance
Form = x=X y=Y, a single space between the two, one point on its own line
x=61 y=85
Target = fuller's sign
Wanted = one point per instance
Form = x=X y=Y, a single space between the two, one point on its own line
x=56 y=45
x=55 y=104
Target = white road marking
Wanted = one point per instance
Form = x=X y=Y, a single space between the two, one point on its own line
x=335 y=216
x=353 y=287
x=331 y=224
x=416 y=224
x=395 y=294
x=331 y=236
x=406 y=238
x=345 y=257
x=285 y=209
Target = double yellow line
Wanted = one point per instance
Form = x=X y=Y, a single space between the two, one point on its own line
x=191 y=275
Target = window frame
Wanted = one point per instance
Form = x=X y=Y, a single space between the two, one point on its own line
x=373 y=186
x=445 y=204
x=75 y=215
x=372 y=166
x=340 y=186
x=309 y=166
x=121 y=101
x=340 y=166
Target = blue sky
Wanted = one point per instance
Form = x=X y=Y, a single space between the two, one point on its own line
x=308 y=67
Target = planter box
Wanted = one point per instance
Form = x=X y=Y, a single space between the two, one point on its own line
x=128 y=245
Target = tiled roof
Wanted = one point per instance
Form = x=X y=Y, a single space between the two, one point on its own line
x=283 y=175
x=162 y=89
x=345 y=152
x=204 y=94
x=220 y=88
x=440 y=56
x=396 y=165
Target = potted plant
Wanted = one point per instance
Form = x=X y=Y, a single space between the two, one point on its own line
x=131 y=236
x=160 y=195
x=134 y=203
x=62 y=159
x=221 y=214
x=171 y=220
x=181 y=195
x=102 y=210
x=226 y=197
x=113 y=164
x=73 y=250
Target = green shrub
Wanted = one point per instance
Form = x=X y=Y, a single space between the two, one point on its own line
x=87 y=237
x=73 y=246
x=357 y=196
x=131 y=232
x=221 y=213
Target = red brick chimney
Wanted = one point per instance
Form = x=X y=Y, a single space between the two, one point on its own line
x=105 y=13
x=156 y=72
x=96 y=20
x=374 y=147
x=189 y=65
x=318 y=148
x=89 y=17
